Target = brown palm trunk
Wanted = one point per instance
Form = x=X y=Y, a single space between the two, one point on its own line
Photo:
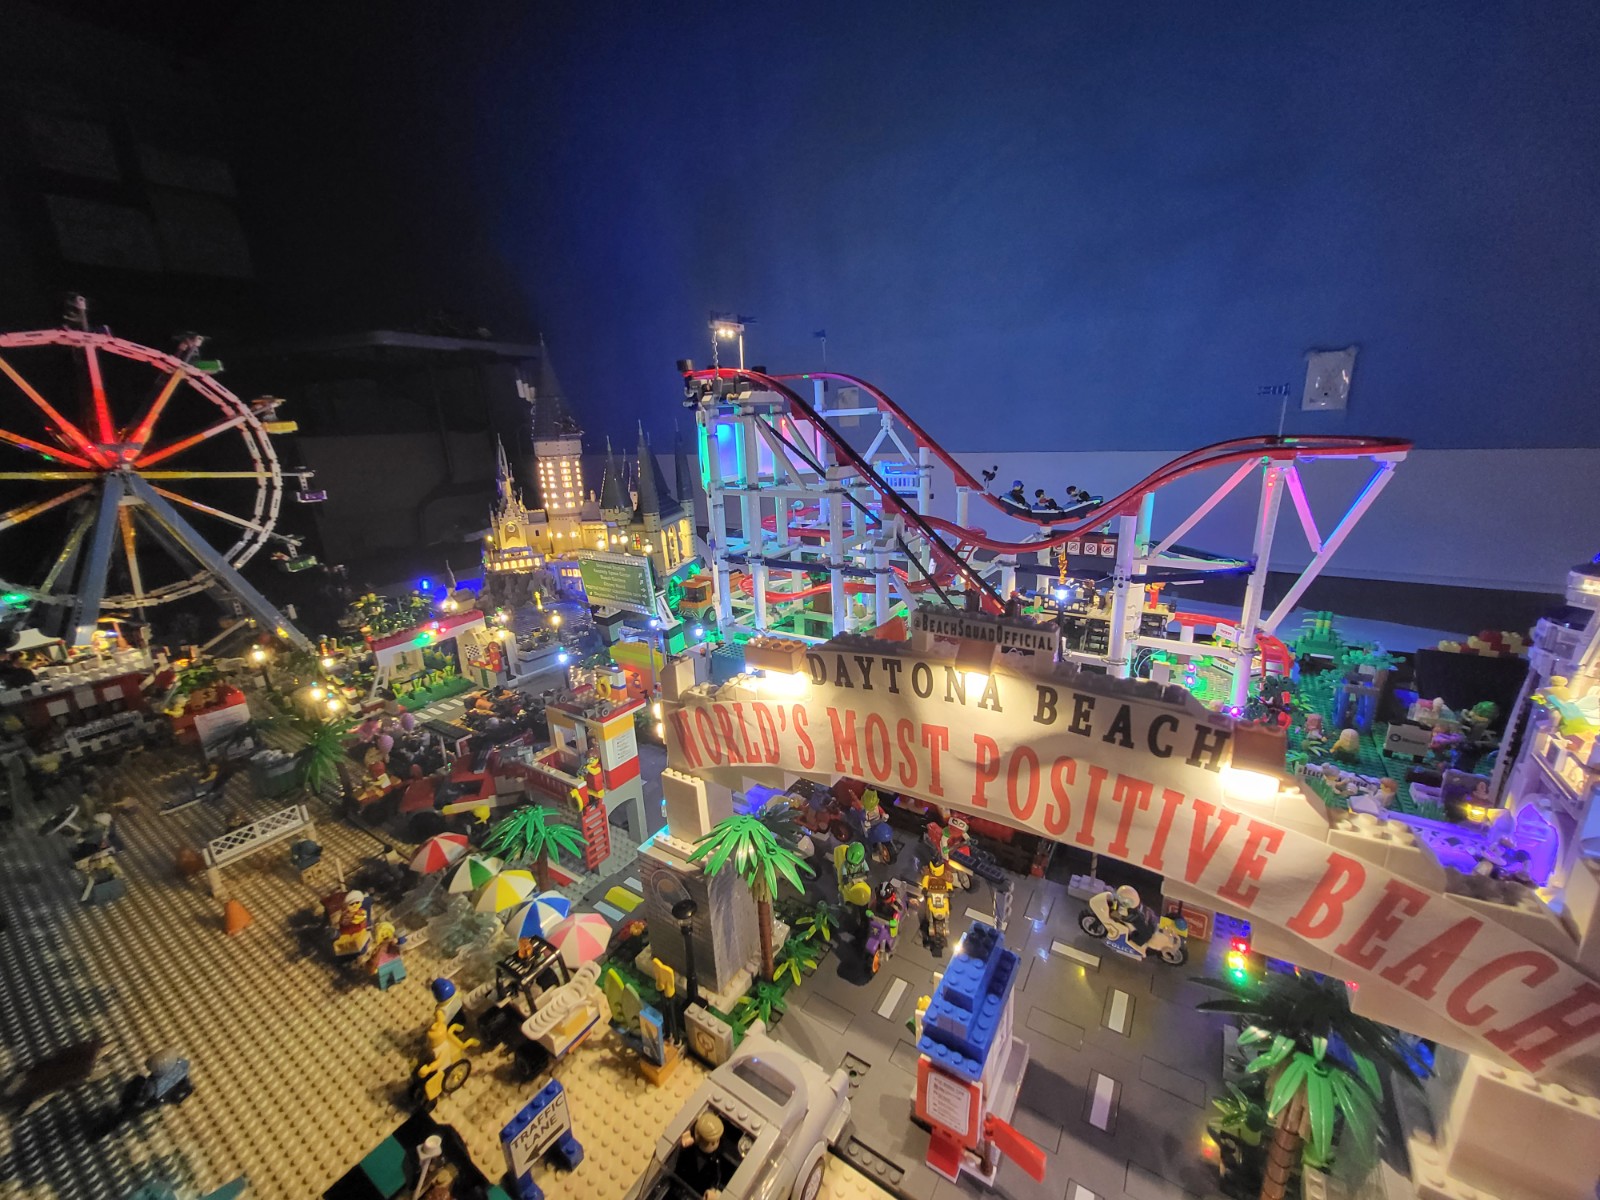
x=541 y=869
x=764 y=918
x=1283 y=1152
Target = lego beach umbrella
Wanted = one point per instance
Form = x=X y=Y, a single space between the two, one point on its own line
x=506 y=890
x=438 y=852
x=540 y=916
x=582 y=939
x=474 y=871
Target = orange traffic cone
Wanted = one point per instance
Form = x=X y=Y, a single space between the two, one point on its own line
x=235 y=917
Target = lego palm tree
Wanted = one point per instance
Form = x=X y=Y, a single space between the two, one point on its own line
x=323 y=760
x=529 y=833
x=760 y=859
x=1321 y=1066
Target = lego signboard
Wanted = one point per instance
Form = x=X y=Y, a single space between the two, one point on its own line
x=618 y=581
x=1137 y=772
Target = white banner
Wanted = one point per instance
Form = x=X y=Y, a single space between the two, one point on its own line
x=1115 y=768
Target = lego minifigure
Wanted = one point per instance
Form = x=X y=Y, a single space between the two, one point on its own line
x=850 y=872
x=1017 y=494
x=1347 y=747
x=388 y=968
x=700 y=1163
x=437 y=1074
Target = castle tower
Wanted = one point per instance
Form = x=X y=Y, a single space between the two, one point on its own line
x=557 y=456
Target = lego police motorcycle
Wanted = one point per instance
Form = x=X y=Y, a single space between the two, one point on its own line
x=1130 y=928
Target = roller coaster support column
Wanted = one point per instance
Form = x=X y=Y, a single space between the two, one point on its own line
x=881 y=583
x=819 y=396
x=962 y=506
x=754 y=536
x=716 y=515
x=1250 y=614
x=838 y=601
x=1008 y=576
x=1118 y=659
x=924 y=480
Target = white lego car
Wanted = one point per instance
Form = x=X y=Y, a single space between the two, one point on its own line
x=780 y=1114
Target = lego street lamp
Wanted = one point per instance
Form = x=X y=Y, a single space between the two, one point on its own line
x=683 y=912
x=725 y=327
x=259 y=657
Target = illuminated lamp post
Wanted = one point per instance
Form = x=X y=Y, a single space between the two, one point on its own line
x=260 y=657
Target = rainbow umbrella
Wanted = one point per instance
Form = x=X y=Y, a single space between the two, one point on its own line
x=582 y=938
x=506 y=890
x=540 y=916
x=474 y=872
x=438 y=852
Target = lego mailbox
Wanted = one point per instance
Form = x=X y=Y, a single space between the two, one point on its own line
x=971 y=1067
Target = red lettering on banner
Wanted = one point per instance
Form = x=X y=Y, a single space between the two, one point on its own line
x=768 y=730
x=1381 y=923
x=708 y=735
x=744 y=734
x=1324 y=908
x=1562 y=1033
x=1097 y=777
x=1202 y=849
x=876 y=733
x=1434 y=959
x=1539 y=966
x=1258 y=837
x=1134 y=796
x=1023 y=809
x=935 y=738
x=846 y=758
x=1058 y=813
x=808 y=751
x=904 y=739
x=691 y=752
x=988 y=768
x=1171 y=798
x=725 y=724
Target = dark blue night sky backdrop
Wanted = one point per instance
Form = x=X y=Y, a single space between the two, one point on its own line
x=1039 y=226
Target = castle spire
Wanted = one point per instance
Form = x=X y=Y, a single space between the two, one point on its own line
x=611 y=494
x=654 y=498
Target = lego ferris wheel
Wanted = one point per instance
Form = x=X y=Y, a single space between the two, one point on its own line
x=119 y=508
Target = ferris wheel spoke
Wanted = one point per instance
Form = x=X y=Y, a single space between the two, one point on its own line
x=146 y=460
x=147 y=423
x=129 y=552
x=97 y=389
x=253 y=526
x=50 y=452
x=258 y=476
x=46 y=476
x=26 y=512
x=72 y=433
x=68 y=556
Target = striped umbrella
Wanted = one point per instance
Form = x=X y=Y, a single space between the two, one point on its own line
x=438 y=852
x=506 y=890
x=540 y=916
x=582 y=938
x=474 y=872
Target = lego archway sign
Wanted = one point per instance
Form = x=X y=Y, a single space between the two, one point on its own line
x=1137 y=772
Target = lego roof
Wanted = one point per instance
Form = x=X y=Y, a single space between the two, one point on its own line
x=552 y=418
